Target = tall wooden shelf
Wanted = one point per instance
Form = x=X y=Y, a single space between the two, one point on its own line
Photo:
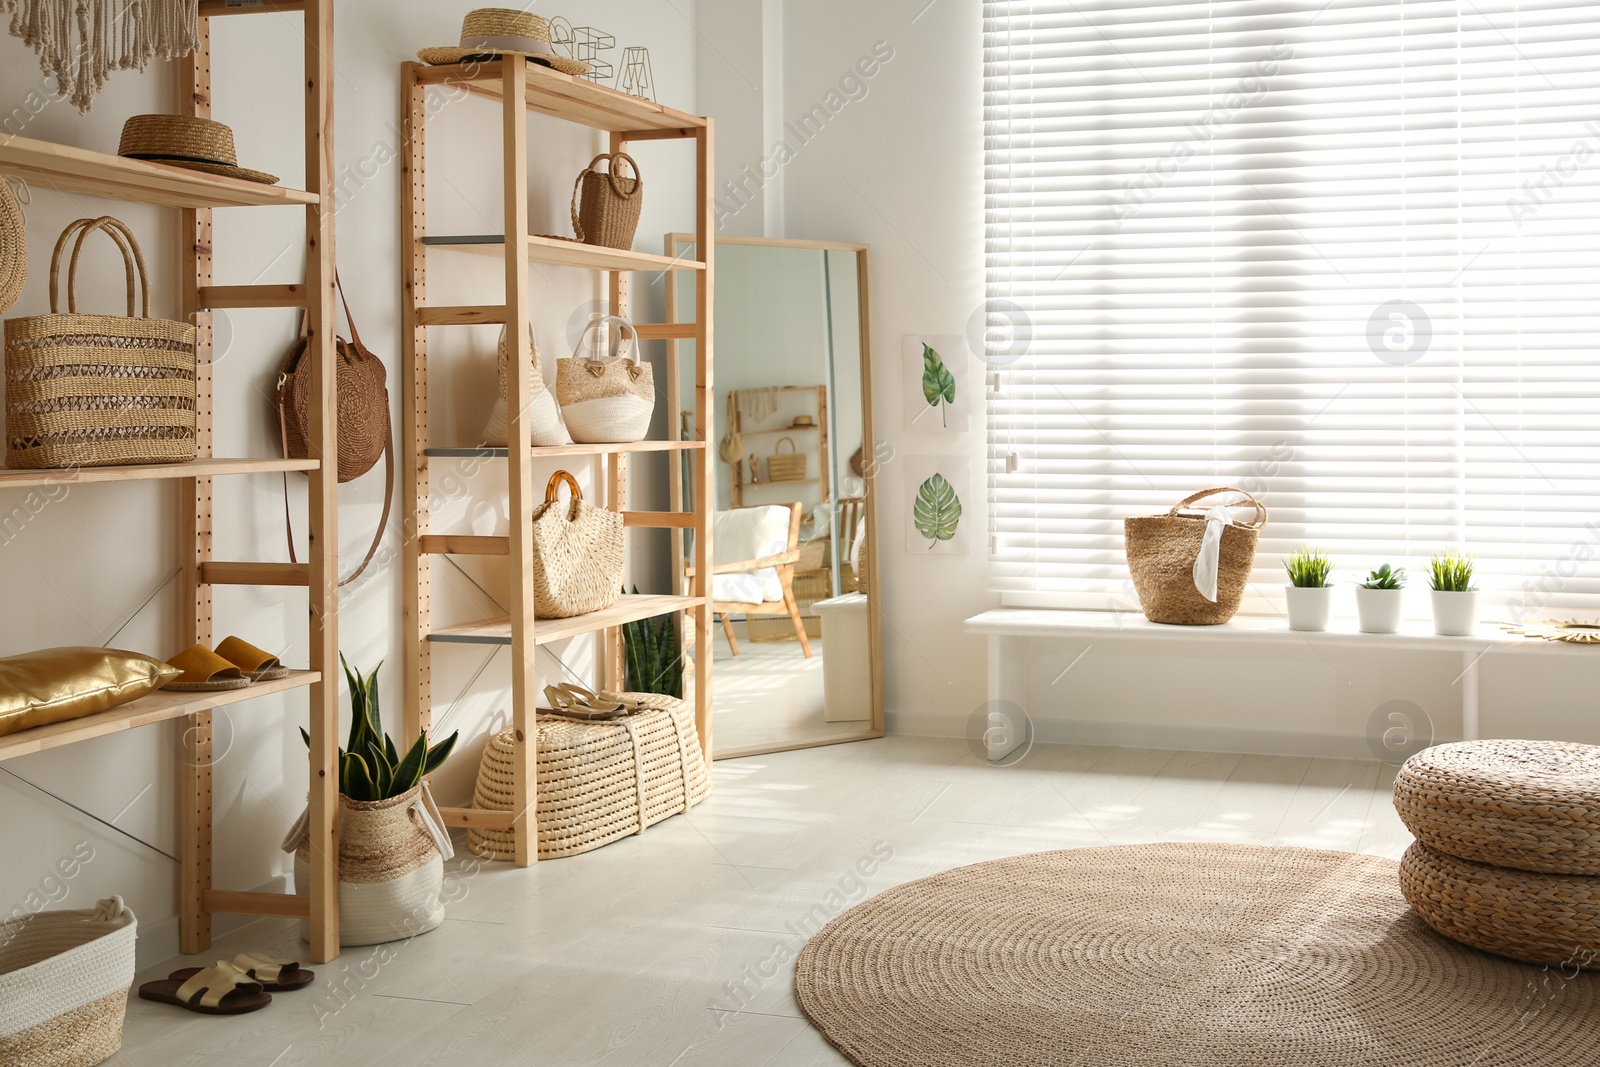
x=195 y=194
x=520 y=86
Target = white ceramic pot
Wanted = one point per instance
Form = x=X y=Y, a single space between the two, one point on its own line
x=1379 y=609
x=1309 y=608
x=1455 y=614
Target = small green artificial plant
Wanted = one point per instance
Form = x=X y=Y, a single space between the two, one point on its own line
x=1308 y=568
x=1386 y=578
x=1451 y=572
x=370 y=767
x=651 y=650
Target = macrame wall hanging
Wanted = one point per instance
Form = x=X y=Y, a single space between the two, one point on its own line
x=80 y=42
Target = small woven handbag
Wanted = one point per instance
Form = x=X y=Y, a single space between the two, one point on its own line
x=577 y=554
x=606 y=399
x=787 y=466
x=99 y=390
x=1162 y=550
x=605 y=205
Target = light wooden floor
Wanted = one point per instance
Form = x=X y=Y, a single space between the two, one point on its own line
x=769 y=694
x=676 y=947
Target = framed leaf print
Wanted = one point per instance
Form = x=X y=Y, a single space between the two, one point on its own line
x=939 y=516
x=938 y=390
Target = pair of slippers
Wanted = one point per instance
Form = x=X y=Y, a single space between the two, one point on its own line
x=234 y=665
x=236 y=988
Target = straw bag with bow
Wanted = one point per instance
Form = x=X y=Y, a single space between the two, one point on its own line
x=1191 y=569
x=361 y=391
x=577 y=554
x=606 y=399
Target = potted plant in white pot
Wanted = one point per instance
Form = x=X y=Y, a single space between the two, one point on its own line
x=1379 y=600
x=1308 y=594
x=1455 y=600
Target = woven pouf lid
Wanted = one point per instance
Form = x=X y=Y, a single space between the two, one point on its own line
x=188 y=142
x=1528 y=805
x=1177 y=955
x=13 y=248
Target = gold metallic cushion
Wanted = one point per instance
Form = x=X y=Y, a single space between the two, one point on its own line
x=57 y=684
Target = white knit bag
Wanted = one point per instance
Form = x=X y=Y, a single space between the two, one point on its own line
x=544 y=415
x=64 y=979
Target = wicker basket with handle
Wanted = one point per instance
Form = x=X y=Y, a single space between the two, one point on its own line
x=1161 y=554
x=96 y=390
x=787 y=466
x=605 y=205
x=64 y=978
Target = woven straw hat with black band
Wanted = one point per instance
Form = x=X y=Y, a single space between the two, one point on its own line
x=13 y=249
x=493 y=31
x=191 y=143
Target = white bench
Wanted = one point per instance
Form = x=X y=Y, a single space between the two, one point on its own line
x=1006 y=673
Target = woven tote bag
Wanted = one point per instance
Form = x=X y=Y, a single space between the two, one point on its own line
x=599 y=781
x=64 y=980
x=391 y=866
x=577 y=553
x=544 y=415
x=787 y=466
x=606 y=399
x=1162 y=550
x=605 y=205
x=13 y=245
x=98 y=390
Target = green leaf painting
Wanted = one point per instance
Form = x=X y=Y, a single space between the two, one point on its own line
x=937 y=511
x=938 y=384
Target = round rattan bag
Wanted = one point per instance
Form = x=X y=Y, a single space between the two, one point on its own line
x=1162 y=550
x=13 y=248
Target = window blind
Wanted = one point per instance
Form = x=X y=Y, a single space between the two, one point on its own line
x=1345 y=255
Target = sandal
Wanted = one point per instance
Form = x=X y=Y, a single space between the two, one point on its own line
x=204 y=672
x=257 y=665
x=219 y=990
x=274 y=975
x=575 y=702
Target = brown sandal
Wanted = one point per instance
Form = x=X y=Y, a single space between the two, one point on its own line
x=219 y=990
x=274 y=975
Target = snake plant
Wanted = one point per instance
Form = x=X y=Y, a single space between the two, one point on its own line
x=370 y=767
x=651 y=650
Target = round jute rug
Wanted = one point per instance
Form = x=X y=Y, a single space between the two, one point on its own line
x=1178 y=955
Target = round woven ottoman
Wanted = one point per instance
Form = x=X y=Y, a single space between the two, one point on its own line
x=1528 y=805
x=1551 y=919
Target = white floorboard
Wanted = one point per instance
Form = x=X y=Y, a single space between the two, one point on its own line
x=675 y=948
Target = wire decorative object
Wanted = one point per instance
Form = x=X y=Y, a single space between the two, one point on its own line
x=636 y=78
x=1572 y=631
x=584 y=43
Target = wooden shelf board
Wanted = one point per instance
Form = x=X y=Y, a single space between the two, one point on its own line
x=565 y=97
x=491 y=452
x=200 y=468
x=565 y=253
x=629 y=608
x=157 y=707
x=777 y=484
x=779 y=429
x=78 y=170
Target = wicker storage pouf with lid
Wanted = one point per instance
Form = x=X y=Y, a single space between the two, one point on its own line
x=64 y=980
x=598 y=781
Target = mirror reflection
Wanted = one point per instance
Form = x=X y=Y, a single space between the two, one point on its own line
x=791 y=534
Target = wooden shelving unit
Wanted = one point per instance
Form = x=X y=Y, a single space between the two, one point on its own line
x=521 y=86
x=195 y=194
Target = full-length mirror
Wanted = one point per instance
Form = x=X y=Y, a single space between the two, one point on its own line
x=796 y=638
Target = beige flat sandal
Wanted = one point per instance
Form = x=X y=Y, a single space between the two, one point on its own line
x=575 y=702
x=219 y=990
x=275 y=975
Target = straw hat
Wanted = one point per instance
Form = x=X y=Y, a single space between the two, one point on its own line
x=13 y=250
x=191 y=143
x=491 y=31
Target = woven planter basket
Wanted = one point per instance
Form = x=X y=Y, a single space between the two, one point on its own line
x=1161 y=554
x=1549 y=919
x=64 y=979
x=96 y=390
x=391 y=867
x=605 y=205
x=1527 y=805
x=598 y=781
x=787 y=466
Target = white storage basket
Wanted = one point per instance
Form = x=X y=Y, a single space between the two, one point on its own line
x=64 y=980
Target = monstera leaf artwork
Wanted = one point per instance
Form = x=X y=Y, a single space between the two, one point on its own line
x=937 y=510
x=938 y=384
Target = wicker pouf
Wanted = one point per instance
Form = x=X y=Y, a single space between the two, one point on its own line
x=1550 y=919
x=599 y=781
x=1528 y=805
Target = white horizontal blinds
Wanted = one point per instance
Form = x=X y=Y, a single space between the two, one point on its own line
x=1344 y=255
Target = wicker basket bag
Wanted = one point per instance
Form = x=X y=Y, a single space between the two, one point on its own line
x=96 y=390
x=605 y=205
x=1162 y=550
x=64 y=980
x=599 y=781
x=787 y=466
x=606 y=399
x=577 y=553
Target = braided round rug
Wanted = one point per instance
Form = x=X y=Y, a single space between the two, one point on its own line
x=1178 y=955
